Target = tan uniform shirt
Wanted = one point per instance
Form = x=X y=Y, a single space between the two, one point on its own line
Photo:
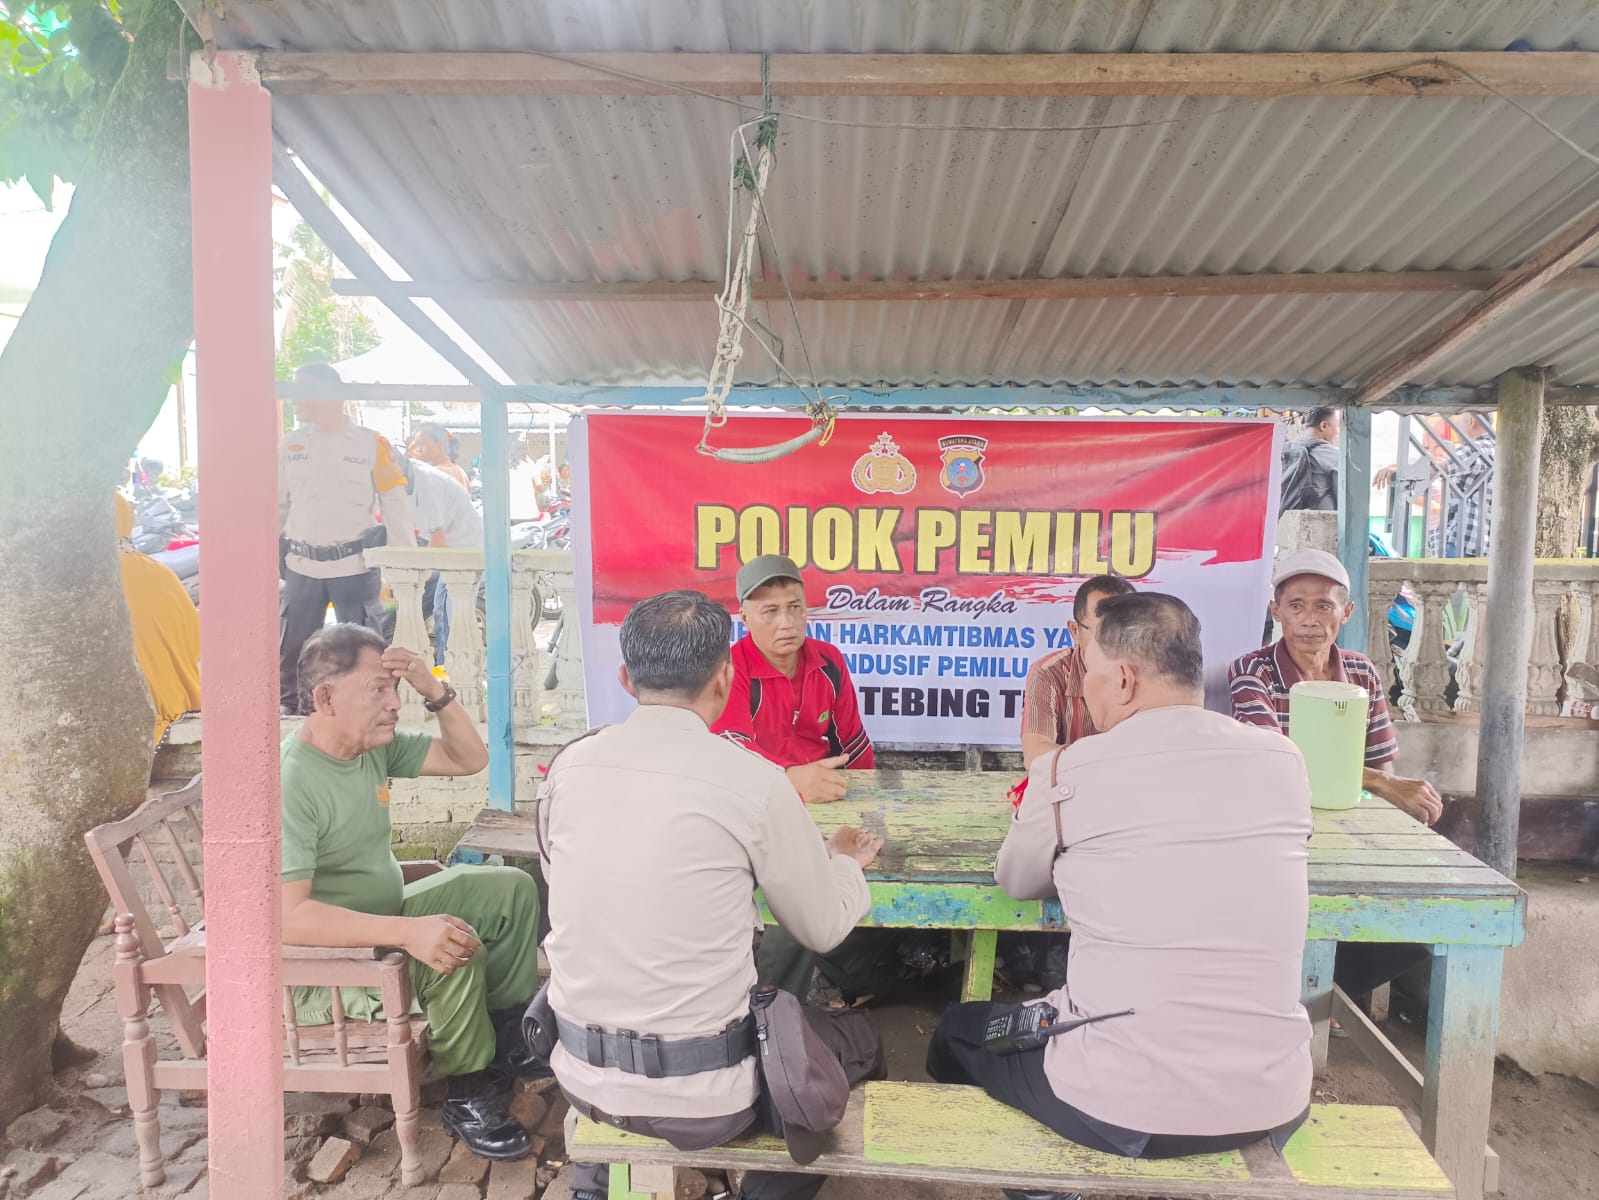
x=1185 y=882
x=656 y=833
x=328 y=486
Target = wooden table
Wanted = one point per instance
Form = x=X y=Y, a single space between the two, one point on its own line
x=1376 y=875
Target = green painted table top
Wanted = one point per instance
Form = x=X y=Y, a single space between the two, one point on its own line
x=1375 y=873
x=946 y=827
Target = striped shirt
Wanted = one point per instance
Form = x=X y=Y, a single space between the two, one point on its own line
x=1260 y=680
x=1052 y=705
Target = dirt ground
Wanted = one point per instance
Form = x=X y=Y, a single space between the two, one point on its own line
x=1545 y=1129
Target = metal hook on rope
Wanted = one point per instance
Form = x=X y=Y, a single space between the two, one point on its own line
x=733 y=303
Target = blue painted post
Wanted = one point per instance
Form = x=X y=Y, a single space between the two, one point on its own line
x=1354 y=521
x=1316 y=996
x=1462 y=1027
x=497 y=597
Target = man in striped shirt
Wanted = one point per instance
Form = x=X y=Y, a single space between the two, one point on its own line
x=1311 y=603
x=1054 y=713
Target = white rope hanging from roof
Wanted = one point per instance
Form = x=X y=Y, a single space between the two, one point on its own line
x=752 y=174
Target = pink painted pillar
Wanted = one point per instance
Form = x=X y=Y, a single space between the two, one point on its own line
x=230 y=164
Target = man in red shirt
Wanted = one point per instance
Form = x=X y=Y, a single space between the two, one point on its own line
x=792 y=701
x=793 y=704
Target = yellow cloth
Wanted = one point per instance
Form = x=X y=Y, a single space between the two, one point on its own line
x=166 y=630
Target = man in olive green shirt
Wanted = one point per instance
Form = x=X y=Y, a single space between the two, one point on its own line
x=471 y=932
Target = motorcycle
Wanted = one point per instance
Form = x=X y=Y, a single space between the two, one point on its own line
x=184 y=562
x=1402 y=612
x=166 y=528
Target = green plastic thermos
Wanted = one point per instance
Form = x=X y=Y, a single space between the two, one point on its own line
x=1327 y=721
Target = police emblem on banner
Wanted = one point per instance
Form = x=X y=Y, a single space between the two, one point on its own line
x=963 y=463
x=883 y=469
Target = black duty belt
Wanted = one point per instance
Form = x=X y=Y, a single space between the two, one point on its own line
x=376 y=536
x=656 y=1057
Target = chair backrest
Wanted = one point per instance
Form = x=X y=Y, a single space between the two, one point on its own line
x=160 y=841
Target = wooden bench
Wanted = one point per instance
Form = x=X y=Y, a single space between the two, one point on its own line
x=938 y=1133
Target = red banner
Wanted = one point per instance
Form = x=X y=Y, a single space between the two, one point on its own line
x=928 y=518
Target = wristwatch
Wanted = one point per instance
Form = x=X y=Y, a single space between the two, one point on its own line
x=433 y=706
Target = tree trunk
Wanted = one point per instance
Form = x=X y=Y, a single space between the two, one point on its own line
x=1570 y=447
x=81 y=379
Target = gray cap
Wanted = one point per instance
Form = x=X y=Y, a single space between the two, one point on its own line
x=759 y=572
x=1310 y=562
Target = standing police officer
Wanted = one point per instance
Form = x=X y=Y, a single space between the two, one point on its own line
x=331 y=475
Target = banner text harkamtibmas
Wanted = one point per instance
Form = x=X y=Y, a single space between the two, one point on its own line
x=973 y=541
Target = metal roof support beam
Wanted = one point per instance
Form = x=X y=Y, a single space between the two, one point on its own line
x=1116 y=399
x=1555 y=257
x=1067 y=288
x=325 y=223
x=496 y=484
x=1542 y=73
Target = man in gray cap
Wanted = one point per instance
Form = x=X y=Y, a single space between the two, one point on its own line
x=793 y=702
x=1311 y=602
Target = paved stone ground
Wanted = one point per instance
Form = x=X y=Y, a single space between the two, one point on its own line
x=81 y=1146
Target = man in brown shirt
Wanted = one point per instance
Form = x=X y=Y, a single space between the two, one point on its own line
x=1053 y=712
x=655 y=834
x=1177 y=842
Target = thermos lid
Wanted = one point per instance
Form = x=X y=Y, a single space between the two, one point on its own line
x=1328 y=689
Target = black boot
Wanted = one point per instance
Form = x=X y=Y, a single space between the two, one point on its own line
x=475 y=1112
x=513 y=1058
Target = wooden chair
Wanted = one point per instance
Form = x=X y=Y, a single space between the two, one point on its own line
x=165 y=955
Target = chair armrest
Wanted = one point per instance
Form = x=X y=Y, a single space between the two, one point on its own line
x=347 y=966
x=349 y=953
x=410 y=872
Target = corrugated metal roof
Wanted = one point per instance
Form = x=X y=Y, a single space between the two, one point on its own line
x=506 y=187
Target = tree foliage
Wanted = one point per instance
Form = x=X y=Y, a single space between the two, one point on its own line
x=58 y=66
x=318 y=325
x=86 y=369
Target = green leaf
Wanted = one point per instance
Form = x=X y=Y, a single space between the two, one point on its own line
x=75 y=78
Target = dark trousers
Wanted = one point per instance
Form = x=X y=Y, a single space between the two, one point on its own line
x=1362 y=966
x=694 y=1133
x=702 y=1133
x=866 y=963
x=956 y=1055
x=357 y=599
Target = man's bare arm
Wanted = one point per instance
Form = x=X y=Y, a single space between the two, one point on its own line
x=443 y=943
x=459 y=749
x=1036 y=744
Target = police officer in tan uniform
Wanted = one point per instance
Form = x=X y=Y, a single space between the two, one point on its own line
x=655 y=833
x=332 y=475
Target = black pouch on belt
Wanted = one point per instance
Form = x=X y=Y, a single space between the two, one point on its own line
x=808 y=1060
x=538 y=1024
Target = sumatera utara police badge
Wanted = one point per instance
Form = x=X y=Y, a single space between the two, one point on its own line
x=963 y=463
